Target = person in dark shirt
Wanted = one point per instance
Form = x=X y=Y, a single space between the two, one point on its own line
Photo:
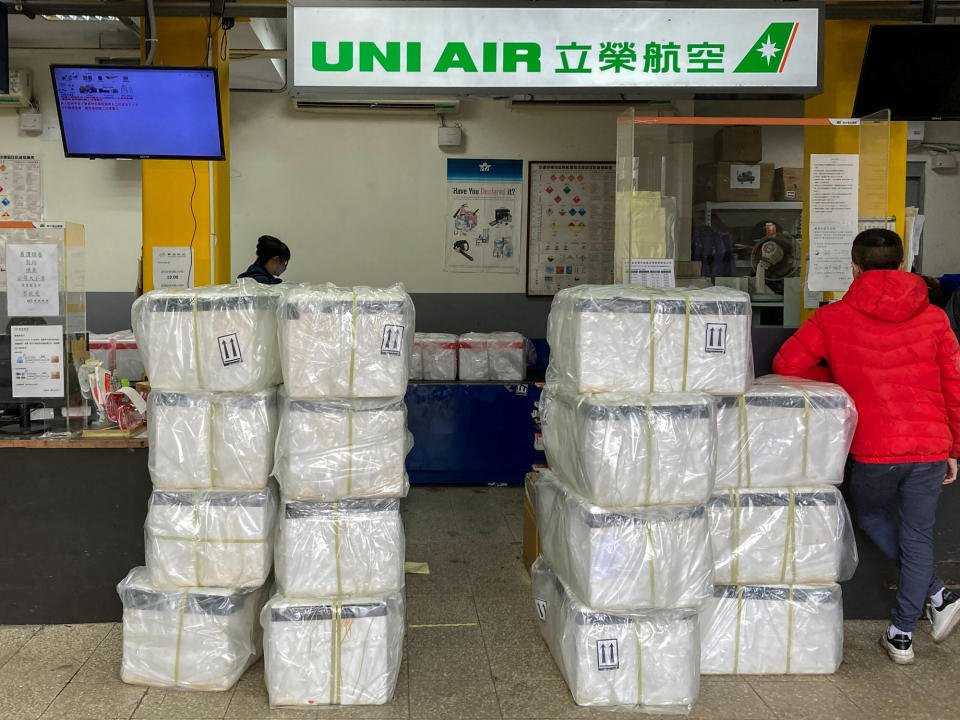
x=272 y=259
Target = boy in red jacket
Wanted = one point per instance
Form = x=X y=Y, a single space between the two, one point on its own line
x=897 y=357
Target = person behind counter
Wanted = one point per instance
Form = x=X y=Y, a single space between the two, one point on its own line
x=272 y=259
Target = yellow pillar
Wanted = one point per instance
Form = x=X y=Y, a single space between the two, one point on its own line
x=844 y=44
x=176 y=199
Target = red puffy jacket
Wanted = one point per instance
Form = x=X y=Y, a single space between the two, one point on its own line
x=896 y=356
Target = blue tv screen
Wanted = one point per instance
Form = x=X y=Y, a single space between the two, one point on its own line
x=139 y=112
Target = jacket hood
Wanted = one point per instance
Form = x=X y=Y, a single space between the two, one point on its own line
x=891 y=295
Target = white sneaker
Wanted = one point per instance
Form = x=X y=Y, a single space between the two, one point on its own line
x=899 y=648
x=945 y=617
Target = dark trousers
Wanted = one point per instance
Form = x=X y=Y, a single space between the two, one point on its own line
x=918 y=486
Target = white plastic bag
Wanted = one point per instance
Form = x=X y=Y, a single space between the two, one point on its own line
x=437 y=353
x=631 y=449
x=164 y=323
x=346 y=342
x=777 y=630
x=347 y=548
x=493 y=356
x=625 y=560
x=191 y=638
x=648 y=661
x=605 y=338
x=781 y=535
x=784 y=431
x=325 y=652
x=338 y=448
x=201 y=538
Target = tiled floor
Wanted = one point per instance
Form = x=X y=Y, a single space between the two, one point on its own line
x=472 y=650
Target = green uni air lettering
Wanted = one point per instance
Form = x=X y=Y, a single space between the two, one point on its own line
x=489 y=57
x=455 y=55
x=344 y=57
x=389 y=60
x=516 y=53
x=413 y=57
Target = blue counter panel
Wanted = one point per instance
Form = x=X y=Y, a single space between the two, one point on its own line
x=471 y=433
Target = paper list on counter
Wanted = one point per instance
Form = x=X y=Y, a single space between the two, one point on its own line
x=834 y=199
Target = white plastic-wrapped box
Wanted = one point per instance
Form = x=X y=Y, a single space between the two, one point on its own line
x=648 y=661
x=785 y=535
x=605 y=338
x=324 y=652
x=416 y=361
x=777 y=630
x=346 y=342
x=784 y=431
x=437 y=353
x=192 y=638
x=201 y=538
x=347 y=548
x=334 y=449
x=222 y=337
x=631 y=449
x=202 y=440
x=625 y=560
x=118 y=352
x=493 y=356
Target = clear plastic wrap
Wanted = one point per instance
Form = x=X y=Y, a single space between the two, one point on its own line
x=499 y=356
x=781 y=535
x=201 y=538
x=438 y=356
x=338 y=448
x=323 y=652
x=346 y=342
x=204 y=440
x=346 y=548
x=416 y=360
x=783 y=432
x=775 y=630
x=222 y=337
x=119 y=354
x=647 y=661
x=631 y=449
x=193 y=638
x=621 y=561
x=605 y=338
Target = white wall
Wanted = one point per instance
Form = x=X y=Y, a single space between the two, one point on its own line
x=103 y=195
x=941 y=232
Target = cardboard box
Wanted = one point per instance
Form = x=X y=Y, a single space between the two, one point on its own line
x=531 y=536
x=734 y=182
x=739 y=144
x=788 y=184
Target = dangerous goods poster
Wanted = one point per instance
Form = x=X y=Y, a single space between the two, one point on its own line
x=483 y=216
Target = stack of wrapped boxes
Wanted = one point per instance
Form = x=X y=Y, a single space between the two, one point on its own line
x=333 y=632
x=474 y=357
x=780 y=530
x=190 y=616
x=631 y=439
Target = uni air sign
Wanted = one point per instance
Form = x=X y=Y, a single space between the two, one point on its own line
x=415 y=47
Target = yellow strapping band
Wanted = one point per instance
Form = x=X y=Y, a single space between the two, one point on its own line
x=653 y=563
x=806 y=430
x=176 y=663
x=649 y=410
x=350 y=452
x=789 y=630
x=734 y=535
x=745 y=438
x=196 y=340
x=225 y=541
x=736 y=643
x=653 y=341
x=353 y=341
x=686 y=342
x=790 y=541
x=201 y=533
x=335 y=652
x=336 y=546
x=636 y=626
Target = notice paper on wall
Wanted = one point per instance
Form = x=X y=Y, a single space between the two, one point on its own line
x=36 y=359
x=649 y=273
x=172 y=267
x=482 y=224
x=834 y=199
x=33 y=279
x=570 y=224
x=21 y=190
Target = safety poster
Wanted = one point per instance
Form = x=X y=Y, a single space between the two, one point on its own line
x=483 y=215
x=570 y=238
